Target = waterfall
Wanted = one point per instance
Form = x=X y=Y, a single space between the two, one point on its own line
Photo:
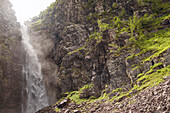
x=36 y=97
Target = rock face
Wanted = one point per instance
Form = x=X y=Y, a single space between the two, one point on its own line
x=10 y=60
x=75 y=59
x=68 y=27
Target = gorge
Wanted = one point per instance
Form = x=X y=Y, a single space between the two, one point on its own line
x=96 y=56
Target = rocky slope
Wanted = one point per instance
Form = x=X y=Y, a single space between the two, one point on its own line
x=10 y=60
x=151 y=100
x=103 y=49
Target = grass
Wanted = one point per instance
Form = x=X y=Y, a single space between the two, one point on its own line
x=74 y=96
x=57 y=109
x=155 y=42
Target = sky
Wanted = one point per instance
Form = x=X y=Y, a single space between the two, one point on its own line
x=26 y=9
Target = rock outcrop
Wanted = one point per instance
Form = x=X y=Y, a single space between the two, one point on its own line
x=99 y=44
x=69 y=28
x=10 y=60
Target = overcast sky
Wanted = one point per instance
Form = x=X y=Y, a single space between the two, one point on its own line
x=26 y=9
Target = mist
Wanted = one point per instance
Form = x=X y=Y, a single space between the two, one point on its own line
x=43 y=46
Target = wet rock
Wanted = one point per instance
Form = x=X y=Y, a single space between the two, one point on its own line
x=76 y=111
x=63 y=103
x=67 y=111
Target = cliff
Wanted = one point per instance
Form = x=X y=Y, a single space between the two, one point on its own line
x=103 y=50
x=10 y=60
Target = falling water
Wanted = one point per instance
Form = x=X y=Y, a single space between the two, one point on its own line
x=35 y=88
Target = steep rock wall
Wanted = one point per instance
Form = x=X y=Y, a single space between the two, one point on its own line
x=68 y=28
x=81 y=60
x=10 y=60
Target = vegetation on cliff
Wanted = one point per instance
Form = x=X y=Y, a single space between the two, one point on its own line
x=140 y=34
x=148 y=33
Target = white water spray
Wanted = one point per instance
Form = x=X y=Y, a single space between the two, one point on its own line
x=35 y=88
